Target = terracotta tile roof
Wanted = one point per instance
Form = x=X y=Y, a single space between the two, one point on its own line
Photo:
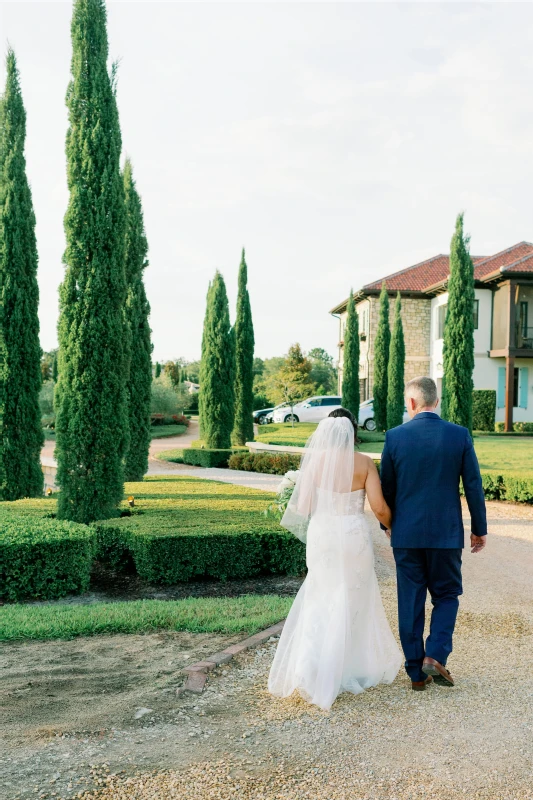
x=509 y=260
x=419 y=277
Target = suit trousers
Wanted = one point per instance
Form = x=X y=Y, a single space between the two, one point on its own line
x=419 y=570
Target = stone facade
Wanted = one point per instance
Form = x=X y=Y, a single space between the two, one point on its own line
x=416 y=318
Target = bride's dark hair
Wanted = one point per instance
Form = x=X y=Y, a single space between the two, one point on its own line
x=344 y=412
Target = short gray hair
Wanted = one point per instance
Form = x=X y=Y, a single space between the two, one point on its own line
x=423 y=391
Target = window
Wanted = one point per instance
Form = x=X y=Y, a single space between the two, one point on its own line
x=476 y=314
x=364 y=320
x=331 y=401
x=363 y=389
x=523 y=319
x=441 y=320
x=516 y=381
x=313 y=402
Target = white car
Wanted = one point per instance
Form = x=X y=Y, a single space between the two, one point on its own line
x=366 y=416
x=311 y=410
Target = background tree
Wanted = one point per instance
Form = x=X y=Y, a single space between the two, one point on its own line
x=21 y=436
x=137 y=314
x=458 y=345
x=381 y=361
x=323 y=373
x=217 y=371
x=292 y=382
x=244 y=361
x=92 y=415
x=157 y=369
x=350 y=377
x=396 y=383
x=174 y=371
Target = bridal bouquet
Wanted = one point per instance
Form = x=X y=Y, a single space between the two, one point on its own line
x=283 y=494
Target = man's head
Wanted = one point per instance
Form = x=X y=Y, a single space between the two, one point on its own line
x=421 y=395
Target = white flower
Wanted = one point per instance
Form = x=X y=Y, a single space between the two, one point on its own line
x=288 y=480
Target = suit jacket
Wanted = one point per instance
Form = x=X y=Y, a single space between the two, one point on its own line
x=421 y=465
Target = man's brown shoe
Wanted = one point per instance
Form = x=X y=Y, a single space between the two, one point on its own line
x=420 y=686
x=439 y=673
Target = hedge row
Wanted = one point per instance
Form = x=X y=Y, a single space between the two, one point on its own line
x=43 y=558
x=483 y=409
x=269 y=463
x=510 y=486
x=518 y=427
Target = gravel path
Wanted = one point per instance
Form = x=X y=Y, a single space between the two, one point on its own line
x=235 y=741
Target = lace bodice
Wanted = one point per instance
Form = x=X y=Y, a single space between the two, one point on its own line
x=347 y=504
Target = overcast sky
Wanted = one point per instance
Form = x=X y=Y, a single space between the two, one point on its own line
x=335 y=141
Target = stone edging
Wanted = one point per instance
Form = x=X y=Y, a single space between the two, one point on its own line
x=197 y=673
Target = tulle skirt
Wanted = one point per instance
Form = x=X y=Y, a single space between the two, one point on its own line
x=336 y=637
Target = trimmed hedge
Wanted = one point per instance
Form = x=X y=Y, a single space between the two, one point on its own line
x=518 y=427
x=507 y=486
x=206 y=458
x=483 y=409
x=269 y=463
x=43 y=558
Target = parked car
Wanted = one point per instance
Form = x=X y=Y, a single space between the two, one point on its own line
x=260 y=416
x=311 y=410
x=366 y=415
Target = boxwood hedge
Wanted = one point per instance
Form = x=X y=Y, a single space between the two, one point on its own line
x=43 y=558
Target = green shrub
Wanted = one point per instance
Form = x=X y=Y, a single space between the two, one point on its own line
x=483 y=409
x=518 y=427
x=43 y=558
x=507 y=486
x=269 y=463
x=206 y=458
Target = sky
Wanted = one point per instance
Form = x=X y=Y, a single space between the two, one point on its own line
x=336 y=142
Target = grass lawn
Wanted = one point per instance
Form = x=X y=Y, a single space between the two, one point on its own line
x=157 y=432
x=176 y=456
x=285 y=434
x=248 y=614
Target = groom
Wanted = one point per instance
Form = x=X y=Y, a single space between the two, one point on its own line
x=421 y=465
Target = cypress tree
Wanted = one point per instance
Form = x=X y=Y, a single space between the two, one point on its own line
x=381 y=361
x=396 y=383
x=137 y=313
x=157 y=369
x=91 y=401
x=217 y=369
x=244 y=362
x=21 y=436
x=458 y=345
x=350 y=377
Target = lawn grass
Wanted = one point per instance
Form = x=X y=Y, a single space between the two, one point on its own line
x=286 y=435
x=249 y=614
x=175 y=456
x=162 y=431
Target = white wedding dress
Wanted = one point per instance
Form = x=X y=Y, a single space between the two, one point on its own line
x=336 y=637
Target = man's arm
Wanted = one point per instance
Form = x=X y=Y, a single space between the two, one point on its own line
x=388 y=477
x=474 y=495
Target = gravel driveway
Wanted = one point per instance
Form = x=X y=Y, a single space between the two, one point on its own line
x=234 y=741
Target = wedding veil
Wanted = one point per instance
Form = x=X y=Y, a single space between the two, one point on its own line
x=325 y=473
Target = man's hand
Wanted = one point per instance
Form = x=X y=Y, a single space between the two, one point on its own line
x=477 y=543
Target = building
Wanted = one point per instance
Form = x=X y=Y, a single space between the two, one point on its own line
x=503 y=322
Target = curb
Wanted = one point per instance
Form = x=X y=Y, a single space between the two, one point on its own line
x=197 y=673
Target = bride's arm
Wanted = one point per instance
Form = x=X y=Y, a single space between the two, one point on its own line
x=375 y=496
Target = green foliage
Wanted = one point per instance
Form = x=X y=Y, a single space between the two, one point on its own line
x=91 y=399
x=260 y=401
x=137 y=312
x=43 y=558
x=396 y=383
x=207 y=457
x=458 y=344
x=381 y=361
x=249 y=614
x=518 y=427
x=174 y=372
x=174 y=455
x=514 y=487
x=164 y=397
x=350 y=378
x=293 y=381
x=268 y=463
x=244 y=362
x=157 y=369
x=21 y=437
x=483 y=409
x=49 y=365
x=323 y=373
x=46 y=399
x=217 y=372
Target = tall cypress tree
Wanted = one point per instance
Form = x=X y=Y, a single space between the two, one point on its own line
x=244 y=362
x=396 y=383
x=381 y=361
x=350 y=376
x=92 y=416
x=137 y=313
x=157 y=369
x=21 y=436
x=458 y=345
x=217 y=369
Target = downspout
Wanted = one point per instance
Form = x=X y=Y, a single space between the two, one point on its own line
x=339 y=387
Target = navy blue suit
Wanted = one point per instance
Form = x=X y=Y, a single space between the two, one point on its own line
x=421 y=466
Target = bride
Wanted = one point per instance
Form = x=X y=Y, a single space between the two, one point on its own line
x=336 y=637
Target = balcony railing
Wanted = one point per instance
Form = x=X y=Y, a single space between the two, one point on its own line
x=524 y=338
